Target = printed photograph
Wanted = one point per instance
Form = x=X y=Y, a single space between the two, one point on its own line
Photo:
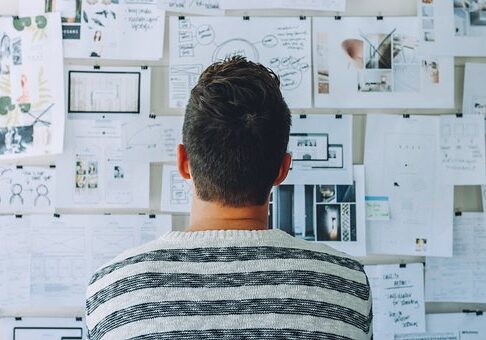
x=470 y=17
x=16 y=140
x=5 y=54
x=323 y=63
x=431 y=71
x=375 y=81
x=378 y=51
x=17 y=51
x=118 y=172
x=70 y=9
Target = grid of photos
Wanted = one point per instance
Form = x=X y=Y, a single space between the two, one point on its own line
x=470 y=18
x=386 y=62
x=86 y=175
x=313 y=151
x=322 y=213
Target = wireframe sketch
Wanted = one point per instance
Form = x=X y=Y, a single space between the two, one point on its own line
x=179 y=189
x=282 y=44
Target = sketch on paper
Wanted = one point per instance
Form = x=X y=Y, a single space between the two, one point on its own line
x=176 y=191
x=377 y=63
x=323 y=213
x=31 y=88
x=282 y=44
x=204 y=7
x=27 y=190
x=152 y=138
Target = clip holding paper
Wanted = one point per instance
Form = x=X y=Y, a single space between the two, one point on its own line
x=152 y=116
x=19 y=167
x=152 y=216
x=459 y=115
x=458 y=213
x=337 y=17
x=52 y=166
x=181 y=17
x=303 y=116
x=339 y=116
x=303 y=17
x=19 y=216
x=57 y=215
x=403 y=265
x=406 y=115
x=477 y=312
x=18 y=318
x=379 y=17
x=144 y=67
x=78 y=318
x=96 y=67
x=246 y=18
x=107 y=214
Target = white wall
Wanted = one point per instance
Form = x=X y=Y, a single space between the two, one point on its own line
x=466 y=198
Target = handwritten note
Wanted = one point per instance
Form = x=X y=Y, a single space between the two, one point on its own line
x=398 y=299
x=377 y=208
x=206 y=7
x=427 y=336
x=463 y=149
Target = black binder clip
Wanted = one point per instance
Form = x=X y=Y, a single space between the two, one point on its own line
x=52 y=166
x=403 y=265
x=458 y=213
x=303 y=116
x=144 y=67
x=96 y=67
x=406 y=115
x=337 y=17
x=57 y=215
x=19 y=167
x=152 y=216
x=379 y=17
x=459 y=115
x=246 y=18
x=19 y=216
x=181 y=17
x=303 y=17
x=339 y=116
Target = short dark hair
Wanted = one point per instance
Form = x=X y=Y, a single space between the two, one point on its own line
x=236 y=132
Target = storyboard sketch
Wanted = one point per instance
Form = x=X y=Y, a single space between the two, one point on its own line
x=370 y=63
x=201 y=7
x=93 y=172
x=329 y=213
x=398 y=299
x=56 y=255
x=316 y=5
x=118 y=29
x=453 y=28
x=280 y=43
x=321 y=148
x=41 y=328
x=27 y=190
x=466 y=325
x=461 y=278
x=31 y=87
x=474 y=101
x=152 y=138
x=403 y=175
x=117 y=92
x=176 y=191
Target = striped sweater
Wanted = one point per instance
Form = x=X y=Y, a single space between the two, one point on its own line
x=230 y=285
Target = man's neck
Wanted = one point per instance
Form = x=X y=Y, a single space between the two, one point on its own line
x=213 y=216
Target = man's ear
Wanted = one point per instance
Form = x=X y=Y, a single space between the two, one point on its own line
x=183 y=162
x=284 y=169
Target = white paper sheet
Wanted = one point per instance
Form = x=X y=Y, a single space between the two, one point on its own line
x=31 y=87
x=474 y=101
x=203 y=7
x=398 y=299
x=150 y=138
x=14 y=262
x=117 y=92
x=365 y=62
x=463 y=149
x=454 y=28
x=428 y=336
x=329 y=213
x=47 y=261
x=59 y=267
x=124 y=29
x=317 y=5
x=93 y=172
x=402 y=165
x=39 y=328
x=321 y=148
x=469 y=326
x=176 y=191
x=27 y=190
x=461 y=278
x=281 y=43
